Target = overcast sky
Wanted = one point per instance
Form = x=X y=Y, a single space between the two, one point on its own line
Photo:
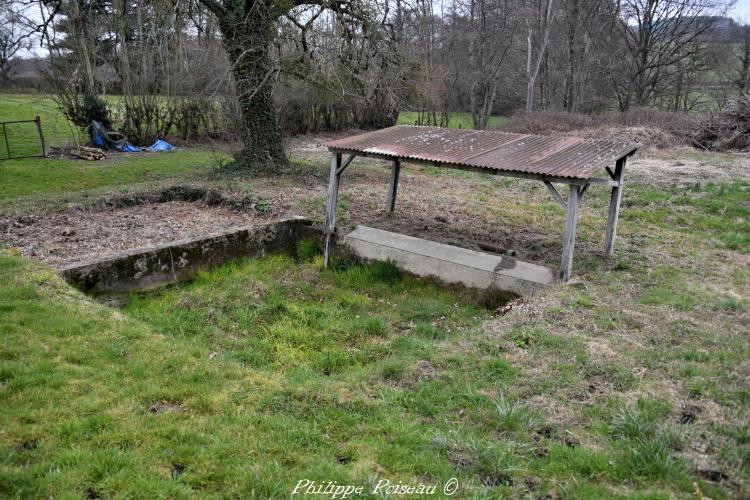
x=741 y=11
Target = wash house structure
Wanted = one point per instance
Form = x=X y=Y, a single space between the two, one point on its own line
x=572 y=161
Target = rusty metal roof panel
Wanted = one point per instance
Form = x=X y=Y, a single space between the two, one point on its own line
x=572 y=157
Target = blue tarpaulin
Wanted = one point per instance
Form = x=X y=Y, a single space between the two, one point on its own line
x=160 y=145
x=100 y=138
x=125 y=147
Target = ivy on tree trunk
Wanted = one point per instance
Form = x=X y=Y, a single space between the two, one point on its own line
x=248 y=29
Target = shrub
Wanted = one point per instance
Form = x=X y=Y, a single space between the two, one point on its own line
x=95 y=108
x=549 y=122
x=82 y=109
x=728 y=129
x=648 y=126
x=146 y=118
x=201 y=118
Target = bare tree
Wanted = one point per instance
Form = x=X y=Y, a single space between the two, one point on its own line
x=13 y=40
x=584 y=24
x=481 y=36
x=741 y=75
x=657 y=35
x=305 y=65
x=532 y=70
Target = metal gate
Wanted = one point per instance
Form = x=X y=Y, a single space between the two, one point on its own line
x=22 y=150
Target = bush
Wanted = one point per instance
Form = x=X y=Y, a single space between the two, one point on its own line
x=145 y=118
x=548 y=121
x=201 y=118
x=96 y=108
x=81 y=110
x=648 y=126
x=723 y=131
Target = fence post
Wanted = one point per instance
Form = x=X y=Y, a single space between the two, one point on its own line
x=38 y=121
x=7 y=146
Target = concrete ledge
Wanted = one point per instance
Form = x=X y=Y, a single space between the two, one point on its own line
x=447 y=263
x=146 y=268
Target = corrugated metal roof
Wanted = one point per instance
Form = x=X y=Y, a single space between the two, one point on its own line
x=563 y=156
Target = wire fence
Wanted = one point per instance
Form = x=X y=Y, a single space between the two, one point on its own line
x=22 y=139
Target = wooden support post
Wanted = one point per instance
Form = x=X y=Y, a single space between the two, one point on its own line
x=569 y=239
x=333 y=194
x=614 y=209
x=390 y=202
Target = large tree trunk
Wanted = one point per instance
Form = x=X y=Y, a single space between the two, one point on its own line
x=246 y=39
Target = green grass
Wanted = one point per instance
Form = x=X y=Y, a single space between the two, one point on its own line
x=457 y=120
x=719 y=212
x=307 y=249
x=263 y=372
x=25 y=181
x=24 y=138
x=28 y=180
x=242 y=395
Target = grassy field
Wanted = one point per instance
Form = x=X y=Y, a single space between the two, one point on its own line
x=29 y=181
x=262 y=373
x=276 y=403
x=57 y=130
x=23 y=138
x=457 y=120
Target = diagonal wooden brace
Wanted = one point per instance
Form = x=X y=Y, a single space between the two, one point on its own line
x=555 y=194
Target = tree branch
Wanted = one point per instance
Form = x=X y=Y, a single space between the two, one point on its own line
x=214 y=6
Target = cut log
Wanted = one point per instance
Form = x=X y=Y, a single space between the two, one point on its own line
x=86 y=153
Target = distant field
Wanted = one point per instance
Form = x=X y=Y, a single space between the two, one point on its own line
x=23 y=138
x=457 y=120
x=26 y=179
x=22 y=181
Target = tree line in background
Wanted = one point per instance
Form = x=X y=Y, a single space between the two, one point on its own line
x=251 y=69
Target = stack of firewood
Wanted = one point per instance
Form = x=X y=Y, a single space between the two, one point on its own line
x=86 y=153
